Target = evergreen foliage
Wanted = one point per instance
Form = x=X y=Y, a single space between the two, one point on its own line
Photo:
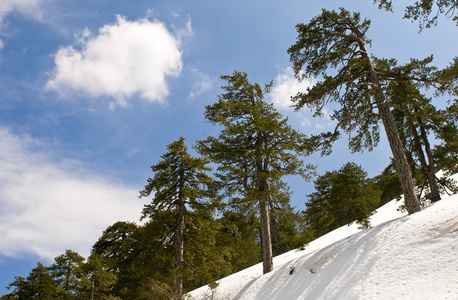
x=341 y=197
x=182 y=209
x=96 y=280
x=239 y=232
x=38 y=285
x=426 y=12
x=66 y=271
x=191 y=237
x=388 y=183
x=336 y=43
x=254 y=150
x=418 y=119
x=123 y=250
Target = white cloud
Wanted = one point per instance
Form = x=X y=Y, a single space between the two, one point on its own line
x=285 y=86
x=50 y=205
x=125 y=58
x=202 y=83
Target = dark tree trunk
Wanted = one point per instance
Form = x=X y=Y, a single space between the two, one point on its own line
x=179 y=256
x=179 y=253
x=431 y=170
x=262 y=166
x=267 y=260
x=92 y=286
x=402 y=166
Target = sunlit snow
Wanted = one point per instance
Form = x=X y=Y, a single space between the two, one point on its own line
x=400 y=257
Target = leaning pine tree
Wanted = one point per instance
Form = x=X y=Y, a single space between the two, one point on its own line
x=337 y=41
x=179 y=187
x=254 y=150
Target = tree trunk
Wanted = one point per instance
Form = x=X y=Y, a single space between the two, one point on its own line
x=402 y=166
x=267 y=260
x=262 y=166
x=431 y=170
x=92 y=286
x=179 y=253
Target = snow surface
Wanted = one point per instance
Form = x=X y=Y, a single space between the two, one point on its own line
x=401 y=257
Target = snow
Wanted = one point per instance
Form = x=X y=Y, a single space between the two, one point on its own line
x=401 y=257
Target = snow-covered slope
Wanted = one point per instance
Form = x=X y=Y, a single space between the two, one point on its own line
x=400 y=257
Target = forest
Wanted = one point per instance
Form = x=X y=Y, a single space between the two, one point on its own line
x=229 y=208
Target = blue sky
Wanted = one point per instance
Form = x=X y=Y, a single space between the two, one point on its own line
x=93 y=91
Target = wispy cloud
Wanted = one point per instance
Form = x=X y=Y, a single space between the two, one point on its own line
x=124 y=59
x=285 y=86
x=29 y=8
x=49 y=204
x=202 y=83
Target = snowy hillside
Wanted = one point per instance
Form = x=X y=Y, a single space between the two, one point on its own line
x=400 y=257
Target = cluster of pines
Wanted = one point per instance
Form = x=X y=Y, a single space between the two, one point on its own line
x=205 y=223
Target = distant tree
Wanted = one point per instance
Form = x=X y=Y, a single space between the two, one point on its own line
x=96 y=281
x=446 y=153
x=341 y=197
x=121 y=249
x=255 y=148
x=239 y=231
x=388 y=183
x=337 y=43
x=181 y=206
x=66 y=272
x=38 y=285
x=287 y=224
x=426 y=11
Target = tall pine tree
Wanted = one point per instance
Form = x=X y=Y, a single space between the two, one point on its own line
x=254 y=150
x=336 y=43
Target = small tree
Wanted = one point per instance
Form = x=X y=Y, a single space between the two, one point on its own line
x=341 y=197
x=388 y=183
x=254 y=149
x=338 y=42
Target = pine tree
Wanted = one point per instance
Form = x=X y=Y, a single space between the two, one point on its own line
x=341 y=197
x=415 y=118
x=96 y=280
x=121 y=250
x=254 y=149
x=388 y=183
x=180 y=187
x=66 y=272
x=337 y=42
x=239 y=232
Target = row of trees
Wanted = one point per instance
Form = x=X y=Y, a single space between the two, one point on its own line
x=131 y=261
x=199 y=228
x=68 y=276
